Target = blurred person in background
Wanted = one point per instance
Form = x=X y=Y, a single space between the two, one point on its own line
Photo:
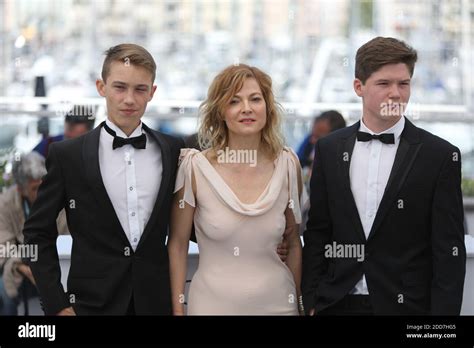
x=325 y=123
x=77 y=122
x=15 y=205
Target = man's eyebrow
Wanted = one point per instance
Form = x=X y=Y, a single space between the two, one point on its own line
x=143 y=85
x=388 y=80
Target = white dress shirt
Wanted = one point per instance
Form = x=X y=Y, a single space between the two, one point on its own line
x=132 y=179
x=370 y=168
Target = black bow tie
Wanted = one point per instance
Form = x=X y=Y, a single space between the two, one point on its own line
x=137 y=142
x=386 y=138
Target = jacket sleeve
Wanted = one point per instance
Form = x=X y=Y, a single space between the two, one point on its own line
x=41 y=232
x=447 y=239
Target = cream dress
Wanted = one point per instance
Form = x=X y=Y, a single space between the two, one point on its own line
x=240 y=272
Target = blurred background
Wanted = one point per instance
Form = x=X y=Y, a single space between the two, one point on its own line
x=52 y=51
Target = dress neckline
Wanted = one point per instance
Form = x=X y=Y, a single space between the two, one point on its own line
x=229 y=189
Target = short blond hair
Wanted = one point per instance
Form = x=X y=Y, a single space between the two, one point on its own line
x=213 y=131
x=129 y=53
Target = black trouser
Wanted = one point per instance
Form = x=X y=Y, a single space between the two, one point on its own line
x=350 y=305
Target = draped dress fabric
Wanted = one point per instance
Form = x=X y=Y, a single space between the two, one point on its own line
x=240 y=272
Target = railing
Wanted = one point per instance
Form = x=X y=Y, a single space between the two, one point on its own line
x=170 y=109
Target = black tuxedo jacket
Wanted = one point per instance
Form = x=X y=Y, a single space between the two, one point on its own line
x=105 y=271
x=415 y=257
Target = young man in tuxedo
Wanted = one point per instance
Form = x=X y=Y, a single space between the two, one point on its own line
x=116 y=185
x=385 y=233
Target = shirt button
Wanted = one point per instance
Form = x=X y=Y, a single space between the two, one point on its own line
x=133 y=214
x=131 y=188
x=134 y=239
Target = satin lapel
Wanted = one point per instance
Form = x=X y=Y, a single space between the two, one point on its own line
x=165 y=181
x=344 y=156
x=404 y=159
x=90 y=157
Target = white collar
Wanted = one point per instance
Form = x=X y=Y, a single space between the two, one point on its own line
x=396 y=129
x=137 y=131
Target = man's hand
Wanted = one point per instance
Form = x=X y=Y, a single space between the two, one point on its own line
x=282 y=250
x=26 y=271
x=69 y=311
x=312 y=311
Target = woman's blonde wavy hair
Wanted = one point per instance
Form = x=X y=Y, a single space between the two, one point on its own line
x=213 y=132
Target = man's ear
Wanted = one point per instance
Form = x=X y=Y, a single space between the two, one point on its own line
x=152 y=92
x=358 y=87
x=100 y=85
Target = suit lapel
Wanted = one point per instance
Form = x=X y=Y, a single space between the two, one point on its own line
x=90 y=157
x=165 y=181
x=404 y=159
x=346 y=146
